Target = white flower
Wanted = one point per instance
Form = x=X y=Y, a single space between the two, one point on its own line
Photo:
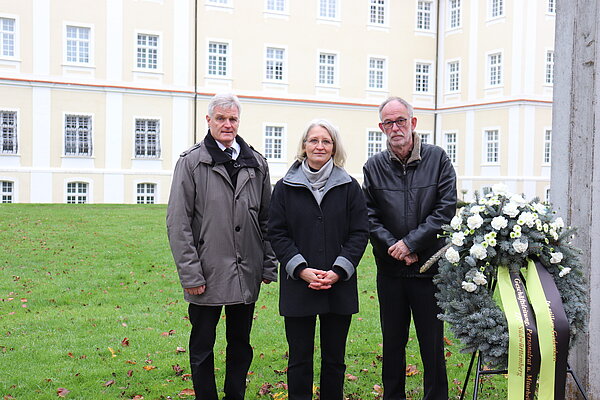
x=452 y=255
x=474 y=221
x=539 y=208
x=477 y=209
x=519 y=246
x=491 y=242
x=511 y=209
x=517 y=198
x=460 y=211
x=553 y=233
x=456 y=222
x=499 y=188
x=479 y=278
x=499 y=222
x=458 y=238
x=527 y=218
x=555 y=258
x=558 y=223
x=478 y=251
x=470 y=286
x=563 y=272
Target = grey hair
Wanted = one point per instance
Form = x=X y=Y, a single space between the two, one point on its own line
x=224 y=100
x=400 y=100
x=339 y=154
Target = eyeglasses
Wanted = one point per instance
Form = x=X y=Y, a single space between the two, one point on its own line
x=315 y=142
x=400 y=123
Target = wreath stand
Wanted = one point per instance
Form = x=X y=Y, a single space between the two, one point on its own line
x=479 y=372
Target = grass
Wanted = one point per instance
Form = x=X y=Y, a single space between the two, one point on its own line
x=90 y=302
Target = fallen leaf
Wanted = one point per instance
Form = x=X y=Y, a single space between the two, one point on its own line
x=378 y=389
x=187 y=392
x=130 y=373
x=137 y=397
x=178 y=370
x=411 y=370
x=351 y=377
x=71 y=355
x=447 y=341
x=109 y=383
x=149 y=367
x=130 y=362
x=112 y=351
x=265 y=389
x=170 y=333
x=125 y=342
x=280 y=371
x=448 y=354
x=180 y=350
x=62 y=392
x=281 y=385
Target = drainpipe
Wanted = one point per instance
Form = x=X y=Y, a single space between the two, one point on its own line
x=195 y=123
x=437 y=72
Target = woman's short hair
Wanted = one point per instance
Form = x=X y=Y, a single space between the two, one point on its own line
x=339 y=154
x=224 y=100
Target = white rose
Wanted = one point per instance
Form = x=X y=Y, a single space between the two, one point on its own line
x=527 y=218
x=511 y=209
x=499 y=188
x=470 y=286
x=456 y=222
x=479 y=278
x=477 y=209
x=474 y=221
x=499 y=222
x=562 y=273
x=478 y=251
x=517 y=198
x=519 y=246
x=539 y=208
x=555 y=258
x=558 y=223
x=458 y=238
x=452 y=255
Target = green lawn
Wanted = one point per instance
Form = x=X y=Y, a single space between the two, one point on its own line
x=90 y=302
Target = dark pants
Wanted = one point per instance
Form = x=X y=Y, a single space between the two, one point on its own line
x=238 y=322
x=398 y=298
x=300 y=334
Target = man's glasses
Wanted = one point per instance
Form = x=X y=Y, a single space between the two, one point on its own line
x=400 y=123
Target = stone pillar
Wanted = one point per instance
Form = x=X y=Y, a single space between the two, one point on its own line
x=575 y=187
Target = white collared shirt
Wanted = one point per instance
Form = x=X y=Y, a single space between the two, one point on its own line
x=235 y=146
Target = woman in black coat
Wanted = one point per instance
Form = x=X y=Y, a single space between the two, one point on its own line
x=318 y=228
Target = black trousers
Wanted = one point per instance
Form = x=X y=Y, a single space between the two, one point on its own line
x=398 y=299
x=300 y=334
x=238 y=322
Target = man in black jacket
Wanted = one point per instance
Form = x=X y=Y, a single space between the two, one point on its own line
x=410 y=189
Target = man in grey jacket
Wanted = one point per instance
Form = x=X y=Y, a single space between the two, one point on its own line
x=216 y=222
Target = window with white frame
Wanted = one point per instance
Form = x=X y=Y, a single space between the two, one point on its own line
x=425 y=138
x=147 y=51
x=145 y=193
x=375 y=142
x=547 y=146
x=7 y=188
x=147 y=138
x=274 y=68
x=495 y=69
x=496 y=8
x=424 y=15
x=376 y=73
x=377 y=12
x=77 y=192
x=422 y=77
x=327 y=68
x=491 y=145
x=454 y=13
x=551 y=6
x=78 y=135
x=274 y=142
x=328 y=9
x=450 y=144
x=453 y=76
x=550 y=67
x=276 y=5
x=8 y=125
x=7 y=37
x=547 y=195
x=218 y=59
x=78 y=44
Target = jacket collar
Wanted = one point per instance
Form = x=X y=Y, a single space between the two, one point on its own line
x=415 y=154
x=214 y=154
x=295 y=177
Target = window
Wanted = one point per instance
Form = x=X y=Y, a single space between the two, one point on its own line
x=7 y=37
x=552 y=6
x=454 y=14
x=550 y=67
x=422 y=75
x=8 y=125
x=453 y=76
x=327 y=68
x=547 y=146
x=218 y=55
x=496 y=8
x=7 y=191
x=450 y=142
x=147 y=138
x=218 y=1
x=147 y=51
x=274 y=142
x=145 y=193
x=376 y=73
x=377 y=13
x=424 y=15
x=77 y=193
x=425 y=137
x=328 y=9
x=491 y=146
x=78 y=44
x=375 y=142
x=275 y=64
x=495 y=69
x=78 y=135
x=276 y=5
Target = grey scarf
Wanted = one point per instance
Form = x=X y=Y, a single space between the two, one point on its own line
x=318 y=179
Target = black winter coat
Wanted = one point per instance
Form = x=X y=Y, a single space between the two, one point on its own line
x=336 y=229
x=409 y=202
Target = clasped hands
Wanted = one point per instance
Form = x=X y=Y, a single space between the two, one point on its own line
x=401 y=252
x=318 y=279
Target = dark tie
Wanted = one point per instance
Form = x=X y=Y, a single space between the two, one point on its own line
x=229 y=151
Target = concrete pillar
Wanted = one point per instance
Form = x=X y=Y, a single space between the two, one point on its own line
x=575 y=187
